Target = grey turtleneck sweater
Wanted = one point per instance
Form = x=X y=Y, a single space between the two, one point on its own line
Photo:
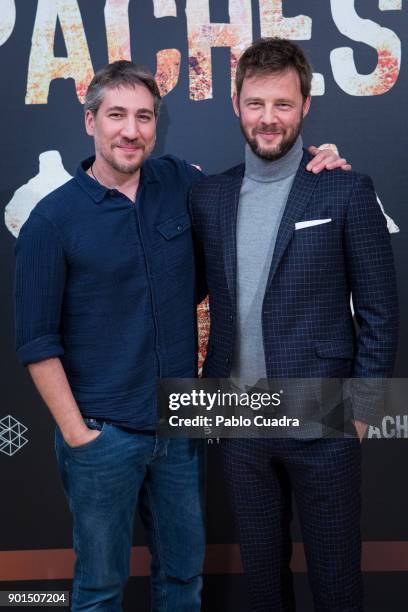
x=264 y=192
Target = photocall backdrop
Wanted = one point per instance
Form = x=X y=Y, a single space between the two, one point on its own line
x=49 y=50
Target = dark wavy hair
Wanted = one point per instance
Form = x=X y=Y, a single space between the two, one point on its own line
x=274 y=55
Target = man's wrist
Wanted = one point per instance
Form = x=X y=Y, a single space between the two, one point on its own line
x=77 y=436
x=361 y=428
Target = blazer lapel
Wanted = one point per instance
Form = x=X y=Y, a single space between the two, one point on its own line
x=300 y=193
x=230 y=191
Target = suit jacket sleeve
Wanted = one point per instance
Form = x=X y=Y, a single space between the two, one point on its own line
x=370 y=264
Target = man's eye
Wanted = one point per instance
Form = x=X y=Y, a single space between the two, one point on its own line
x=254 y=104
x=115 y=115
x=144 y=118
x=284 y=105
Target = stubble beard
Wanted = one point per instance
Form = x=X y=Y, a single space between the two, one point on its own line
x=123 y=168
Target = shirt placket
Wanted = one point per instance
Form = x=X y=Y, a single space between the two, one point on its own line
x=150 y=276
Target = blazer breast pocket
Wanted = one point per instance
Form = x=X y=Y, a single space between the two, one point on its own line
x=317 y=243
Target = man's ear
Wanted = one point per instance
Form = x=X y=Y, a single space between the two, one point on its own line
x=306 y=105
x=235 y=104
x=89 y=123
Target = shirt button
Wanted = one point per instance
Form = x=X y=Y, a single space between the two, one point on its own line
x=111 y=193
x=179 y=228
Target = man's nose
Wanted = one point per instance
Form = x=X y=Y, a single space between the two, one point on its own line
x=269 y=115
x=130 y=128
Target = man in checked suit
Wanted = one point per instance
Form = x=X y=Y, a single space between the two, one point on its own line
x=283 y=250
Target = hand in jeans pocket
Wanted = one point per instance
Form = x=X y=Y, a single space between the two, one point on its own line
x=93 y=430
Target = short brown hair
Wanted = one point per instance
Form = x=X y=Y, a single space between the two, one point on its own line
x=120 y=73
x=274 y=55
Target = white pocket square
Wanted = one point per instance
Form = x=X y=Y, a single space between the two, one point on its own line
x=302 y=224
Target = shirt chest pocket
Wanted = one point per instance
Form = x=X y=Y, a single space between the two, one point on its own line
x=176 y=241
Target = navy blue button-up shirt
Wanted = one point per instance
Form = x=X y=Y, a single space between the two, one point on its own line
x=108 y=286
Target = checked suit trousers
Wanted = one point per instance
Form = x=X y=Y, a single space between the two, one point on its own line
x=325 y=478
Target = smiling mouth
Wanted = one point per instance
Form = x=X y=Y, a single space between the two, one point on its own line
x=130 y=148
x=268 y=135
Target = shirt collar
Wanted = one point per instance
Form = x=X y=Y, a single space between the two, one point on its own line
x=97 y=191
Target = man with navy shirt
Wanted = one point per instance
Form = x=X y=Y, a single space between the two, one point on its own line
x=105 y=289
x=105 y=304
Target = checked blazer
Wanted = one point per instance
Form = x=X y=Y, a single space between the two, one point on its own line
x=307 y=322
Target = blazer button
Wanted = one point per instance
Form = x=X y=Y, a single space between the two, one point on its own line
x=227 y=360
x=231 y=318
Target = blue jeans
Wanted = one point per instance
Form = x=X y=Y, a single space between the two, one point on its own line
x=105 y=480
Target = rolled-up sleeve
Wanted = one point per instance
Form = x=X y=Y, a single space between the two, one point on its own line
x=39 y=290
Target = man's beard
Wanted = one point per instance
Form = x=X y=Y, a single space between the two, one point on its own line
x=123 y=168
x=277 y=151
x=131 y=169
